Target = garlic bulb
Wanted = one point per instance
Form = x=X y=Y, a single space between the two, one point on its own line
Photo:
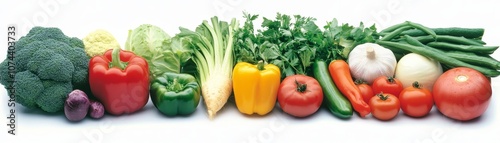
x=369 y=61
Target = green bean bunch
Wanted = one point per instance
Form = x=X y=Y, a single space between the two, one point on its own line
x=452 y=47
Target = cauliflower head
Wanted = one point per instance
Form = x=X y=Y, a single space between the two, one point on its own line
x=98 y=42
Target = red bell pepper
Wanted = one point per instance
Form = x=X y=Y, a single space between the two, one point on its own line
x=120 y=80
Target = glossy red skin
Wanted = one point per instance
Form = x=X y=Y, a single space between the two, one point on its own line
x=300 y=104
x=366 y=92
x=382 y=84
x=120 y=91
x=384 y=109
x=416 y=102
x=459 y=100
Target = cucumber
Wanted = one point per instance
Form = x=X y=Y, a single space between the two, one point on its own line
x=333 y=99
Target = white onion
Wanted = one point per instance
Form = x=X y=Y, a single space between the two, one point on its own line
x=414 y=67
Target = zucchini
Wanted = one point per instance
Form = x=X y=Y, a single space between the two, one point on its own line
x=333 y=99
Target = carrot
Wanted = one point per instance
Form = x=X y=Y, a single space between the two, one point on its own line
x=341 y=75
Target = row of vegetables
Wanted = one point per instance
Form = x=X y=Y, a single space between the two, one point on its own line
x=289 y=61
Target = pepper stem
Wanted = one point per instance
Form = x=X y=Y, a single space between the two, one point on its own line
x=260 y=65
x=115 y=59
x=175 y=86
x=382 y=97
x=301 y=87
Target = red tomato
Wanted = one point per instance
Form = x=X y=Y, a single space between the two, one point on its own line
x=416 y=101
x=387 y=85
x=384 y=106
x=462 y=93
x=300 y=95
x=366 y=90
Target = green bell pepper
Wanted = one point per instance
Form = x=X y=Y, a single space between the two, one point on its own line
x=175 y=93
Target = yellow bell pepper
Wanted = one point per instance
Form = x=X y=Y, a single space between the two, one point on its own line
x=255 y=87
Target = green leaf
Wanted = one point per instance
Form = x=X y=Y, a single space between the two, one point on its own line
x=180 y=47
x=163 y=53
x=288 y=71
x=306 y=58
x=278 y=63
x=269 y=53
x=286 y=33
x=250 y=45
x=294 y=61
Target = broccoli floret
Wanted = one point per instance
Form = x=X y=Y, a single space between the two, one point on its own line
x=49 y=95
x=31 y=87
x=41 y=33
x=49 y=65
x=53 y=96
x=4 y=72
x=80 y=79
x=75 y=55
x=54 y=59
x=22 y=57
x=80 y=61
x=77 y=43
x=34 y=63
x=58 y=69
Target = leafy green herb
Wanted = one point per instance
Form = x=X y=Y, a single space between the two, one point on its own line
x=293 y=43
x=289 y=43
x=343 y=38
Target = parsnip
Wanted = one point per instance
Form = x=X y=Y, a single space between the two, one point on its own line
x=216 y=92
x=213 y=55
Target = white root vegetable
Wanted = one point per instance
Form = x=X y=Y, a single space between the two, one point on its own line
x=216 y=99
x=213 y=55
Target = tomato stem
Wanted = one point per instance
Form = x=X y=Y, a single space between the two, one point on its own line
x=382 y=97
x=359 y=81
x=390 y=79
x=416 y=84
x=301 y=87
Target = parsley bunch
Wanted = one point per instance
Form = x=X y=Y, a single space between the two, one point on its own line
x=294 y=43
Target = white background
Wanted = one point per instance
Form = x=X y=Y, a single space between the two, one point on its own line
x=78 y=18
